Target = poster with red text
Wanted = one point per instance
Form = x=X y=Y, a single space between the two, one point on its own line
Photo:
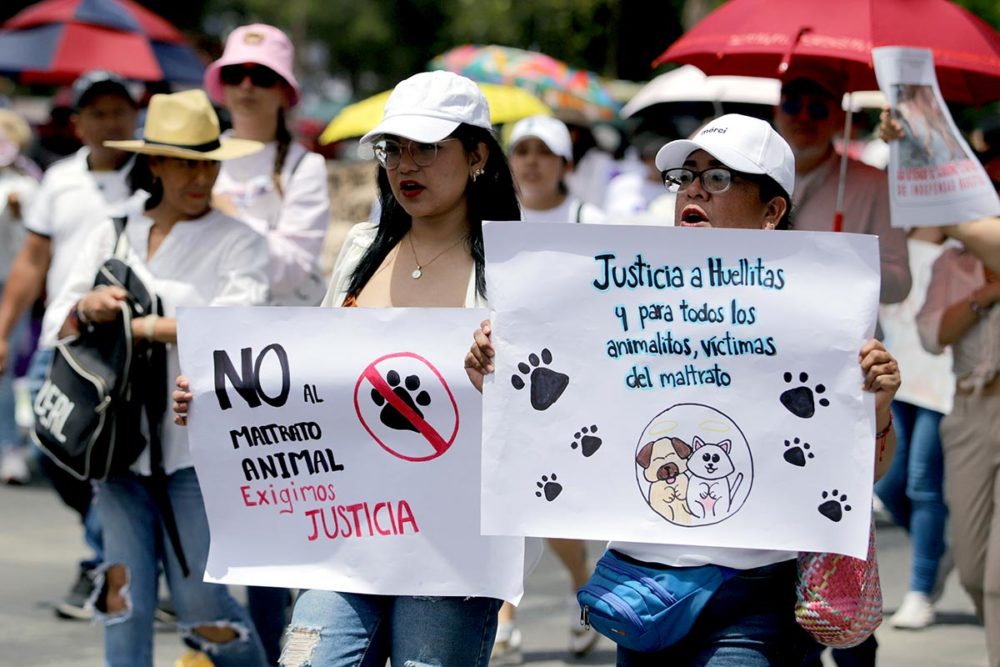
x=339 y=449
x=934 y=177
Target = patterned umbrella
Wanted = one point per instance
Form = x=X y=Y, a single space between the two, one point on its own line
x=507 y=104
x=559 y=85
x=57 y=40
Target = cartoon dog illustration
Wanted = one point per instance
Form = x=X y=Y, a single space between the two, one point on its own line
x=665 y=463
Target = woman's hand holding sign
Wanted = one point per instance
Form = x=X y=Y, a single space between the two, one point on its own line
x=182 y=400
x=479 y=360
x=881 y=374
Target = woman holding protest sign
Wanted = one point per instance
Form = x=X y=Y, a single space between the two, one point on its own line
x=188 y=255
x=441 y=173
x=736 y=173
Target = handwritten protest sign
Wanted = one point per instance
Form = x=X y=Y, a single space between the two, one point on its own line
x=339 y=449
x=934 y=178
x=681 y=386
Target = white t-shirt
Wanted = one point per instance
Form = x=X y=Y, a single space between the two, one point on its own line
x=294 y=221
x=212 y=261
x=571 y=210
x=71 y=202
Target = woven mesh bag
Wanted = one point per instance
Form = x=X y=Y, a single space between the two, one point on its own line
x=839 y=598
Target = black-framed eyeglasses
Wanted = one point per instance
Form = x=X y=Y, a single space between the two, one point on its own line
x=389 y=152
x=260 y=76
x=792 y=105
x=714 y=179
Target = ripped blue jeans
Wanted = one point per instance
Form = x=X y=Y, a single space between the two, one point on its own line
x=330 y=629
x=134 y=538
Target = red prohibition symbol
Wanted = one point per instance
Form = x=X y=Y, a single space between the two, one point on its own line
x=404 y=403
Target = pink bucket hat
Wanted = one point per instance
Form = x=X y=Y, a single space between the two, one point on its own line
x=258 y=43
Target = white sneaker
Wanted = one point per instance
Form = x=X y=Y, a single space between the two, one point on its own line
x=14 y=466
x=507 y=647
x=582 y=639
x=915 y=612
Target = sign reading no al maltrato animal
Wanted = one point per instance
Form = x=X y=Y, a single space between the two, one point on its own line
x=339 y=449
x=686 y=386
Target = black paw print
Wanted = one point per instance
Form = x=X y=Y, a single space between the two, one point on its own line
x=547 y=385
x=392 y=417
x=586 y=441
x=797 y=452
x=548 y=487
x=833 y=507
x=801 y=401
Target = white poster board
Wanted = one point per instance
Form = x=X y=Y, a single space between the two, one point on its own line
x=339 y=449
x=934 y=177
x=685 y=386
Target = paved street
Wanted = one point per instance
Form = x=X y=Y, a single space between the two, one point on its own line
x=40 y=542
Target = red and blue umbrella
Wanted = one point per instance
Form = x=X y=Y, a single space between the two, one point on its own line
x=57 y=40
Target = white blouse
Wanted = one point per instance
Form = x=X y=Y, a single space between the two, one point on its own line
x=212 y=261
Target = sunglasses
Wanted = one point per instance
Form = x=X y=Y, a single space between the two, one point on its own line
x=389 y=152
x=714 y=179
x=816 y=109
x=260 y=76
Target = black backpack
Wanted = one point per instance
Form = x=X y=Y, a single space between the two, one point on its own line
x=88 y=411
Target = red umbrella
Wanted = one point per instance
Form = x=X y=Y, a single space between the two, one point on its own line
x=761 y=38
x=57 y=40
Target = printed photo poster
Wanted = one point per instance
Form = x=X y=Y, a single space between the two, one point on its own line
x=934 y=177
x=339 y=449
x=680 y=386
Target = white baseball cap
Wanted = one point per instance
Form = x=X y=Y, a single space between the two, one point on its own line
x=428 y=107
x=550 y=131
x=741 y=143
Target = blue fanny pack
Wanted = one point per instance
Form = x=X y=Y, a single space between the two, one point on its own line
x=646 y=607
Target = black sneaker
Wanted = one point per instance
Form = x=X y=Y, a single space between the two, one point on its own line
x=74 y=605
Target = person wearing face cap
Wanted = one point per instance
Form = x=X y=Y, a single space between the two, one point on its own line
x=189 y=255
x=735 y=173
x=541 y=156
x=76 y=195
x=441 y=173
x=281 y=192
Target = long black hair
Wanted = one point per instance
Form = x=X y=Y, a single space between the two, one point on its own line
x=491 y=196
x=140 y=177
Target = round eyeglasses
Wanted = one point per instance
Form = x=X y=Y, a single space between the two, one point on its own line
x=389 y=152
x=713 y=179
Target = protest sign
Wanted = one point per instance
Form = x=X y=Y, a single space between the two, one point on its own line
x=339 y=449
x=686 y=386
x=934 y=177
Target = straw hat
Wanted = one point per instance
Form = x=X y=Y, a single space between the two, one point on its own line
x=184 y=125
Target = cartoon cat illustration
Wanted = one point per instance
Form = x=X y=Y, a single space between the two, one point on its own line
x=710 y=469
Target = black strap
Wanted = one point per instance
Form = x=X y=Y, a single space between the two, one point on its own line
x=579 y=211
x=155 y=404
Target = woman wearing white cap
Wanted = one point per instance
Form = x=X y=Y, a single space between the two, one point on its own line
x=189 y=255
x=541 y=156
x=736 y=172
x=441 y=173
x=281 y=191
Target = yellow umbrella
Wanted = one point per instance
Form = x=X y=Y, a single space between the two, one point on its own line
x=507 y=104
